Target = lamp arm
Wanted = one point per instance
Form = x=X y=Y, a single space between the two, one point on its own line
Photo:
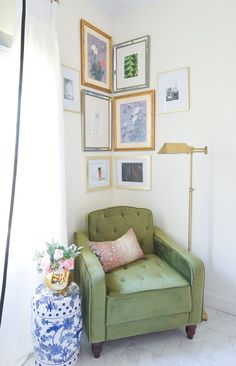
x=198 y=149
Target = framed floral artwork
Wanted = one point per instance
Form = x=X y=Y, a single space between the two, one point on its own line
x=98 y=173
x=71 y=89
x=134 y=121
x=173 y=90
x=96 y=57
x=96 y=121
x=133 y=172
x=131 y=64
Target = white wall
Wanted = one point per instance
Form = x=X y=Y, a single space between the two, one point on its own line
x=79 y=203
x=200 y=34
x=7 y=13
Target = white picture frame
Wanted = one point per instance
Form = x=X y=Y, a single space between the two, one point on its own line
x=133 y=172
x=71 y=89
x=98 y=173
x=96 y=121
x=173 y=90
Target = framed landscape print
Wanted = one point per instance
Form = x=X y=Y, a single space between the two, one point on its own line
x=71 y=88
x=134 y=121
x=173 y=90
x=96 y=121
x=131 y=64
x=96 y=57
x=133 y=172
x=98 y=171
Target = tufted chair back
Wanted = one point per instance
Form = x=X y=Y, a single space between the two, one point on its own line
x=113 y=222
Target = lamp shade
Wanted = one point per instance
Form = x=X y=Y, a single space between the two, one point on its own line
x=181 y=148
x=175 y=148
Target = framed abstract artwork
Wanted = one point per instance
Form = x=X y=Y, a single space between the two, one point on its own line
x=133 y=172
x=98 y=171
x=71 y=89
x=134 y=121
x=173 y=90
x=131 y=64
x=96 y=121
x=96 y=57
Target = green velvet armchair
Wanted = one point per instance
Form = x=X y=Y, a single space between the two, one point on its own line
x=163 y=290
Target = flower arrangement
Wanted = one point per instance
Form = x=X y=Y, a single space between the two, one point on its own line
x=56 y=258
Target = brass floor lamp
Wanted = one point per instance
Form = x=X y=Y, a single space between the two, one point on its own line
x=182 y=148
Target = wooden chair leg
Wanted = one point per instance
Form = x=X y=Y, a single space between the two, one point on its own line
x=190 y=330
x=97 y=349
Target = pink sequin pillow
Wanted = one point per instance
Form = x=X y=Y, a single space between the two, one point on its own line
x=113 y=254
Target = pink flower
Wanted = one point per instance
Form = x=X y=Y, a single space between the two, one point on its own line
x=58 y=254
x=46 y=265
x=68 y=264
x=103 y=63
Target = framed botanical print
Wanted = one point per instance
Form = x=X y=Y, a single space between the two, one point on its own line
x=98 y=173
x=96 y=121
x=133 y=172
x=96 y=57
x=134 y=121
x=131 y=64
x=173 y=90
x=71 y=88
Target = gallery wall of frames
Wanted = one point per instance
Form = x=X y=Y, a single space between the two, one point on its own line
x=118 y=108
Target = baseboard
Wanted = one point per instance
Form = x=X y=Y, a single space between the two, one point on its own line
x=220 y=302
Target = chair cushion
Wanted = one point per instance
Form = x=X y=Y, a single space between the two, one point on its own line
x=113 y=222
x=113 y=254
x=145 y=289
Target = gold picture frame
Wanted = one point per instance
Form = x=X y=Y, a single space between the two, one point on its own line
x=98 y=173
x=133 y=172
x=96 y=57
x=134 y=121
x=174 y=90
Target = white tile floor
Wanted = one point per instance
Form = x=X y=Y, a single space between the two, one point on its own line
x=214 y=344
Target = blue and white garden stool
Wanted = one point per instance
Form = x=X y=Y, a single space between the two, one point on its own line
x=56 y=326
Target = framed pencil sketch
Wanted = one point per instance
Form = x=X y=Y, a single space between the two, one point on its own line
x=134 y=121
x=133 y=172
x=131 y=64
x=71 y=89
x=96 y=57
x=98 y=172
x=96 y=121
x=173 y=90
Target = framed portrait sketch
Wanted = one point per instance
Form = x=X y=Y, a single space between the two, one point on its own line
x=131 y=64
x=98 y=173
x=133 y=172
x=96 y=121
x=96 y=57
x=71 y=89
x=134 y=121
x=173 y=90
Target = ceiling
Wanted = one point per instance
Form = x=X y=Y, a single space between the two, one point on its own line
x=117 y=6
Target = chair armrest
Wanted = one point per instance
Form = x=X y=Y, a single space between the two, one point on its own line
x=91 y=277
x=191 y=267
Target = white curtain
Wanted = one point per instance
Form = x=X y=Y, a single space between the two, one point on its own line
x=39 y=213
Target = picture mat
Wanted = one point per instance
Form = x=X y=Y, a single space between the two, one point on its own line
x=104 y=39
x=74 y=77
x=180 y=78
x=146 y=164
x=97 y=131
x=93 y=179
x=122 y=52
x=140 y=145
